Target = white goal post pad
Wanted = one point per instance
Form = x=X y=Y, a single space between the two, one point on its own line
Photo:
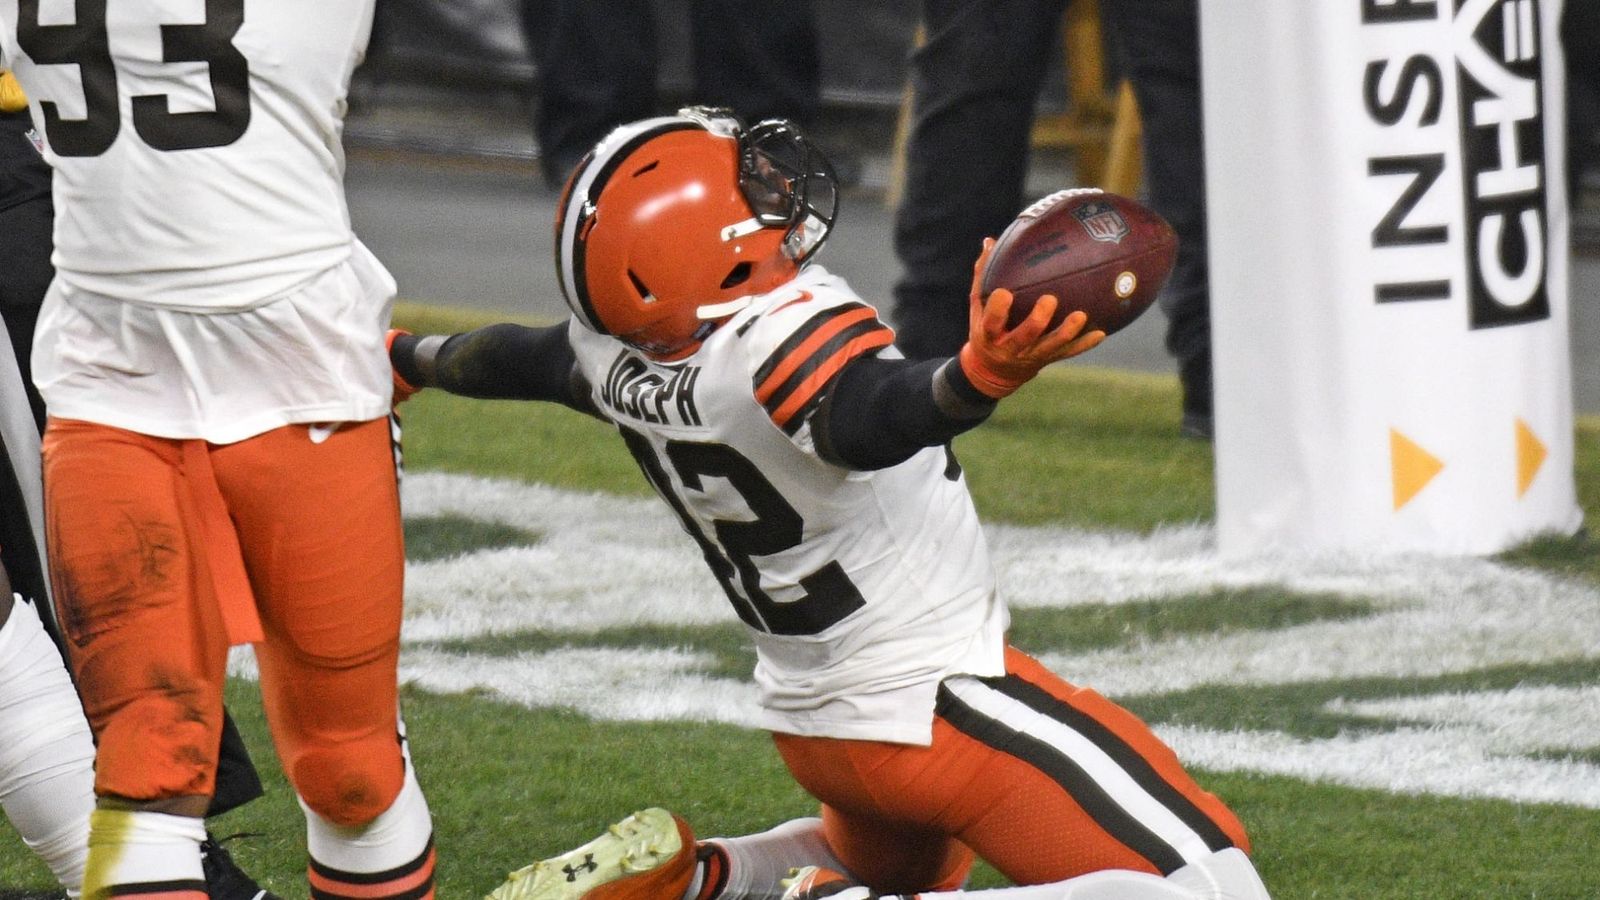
x=1389 y=262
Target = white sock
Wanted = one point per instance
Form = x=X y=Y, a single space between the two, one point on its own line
x=47 y=754
x=757 y=863
x=1227 y=875
x=137 y=847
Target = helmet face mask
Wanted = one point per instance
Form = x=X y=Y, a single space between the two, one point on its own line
x=789 y=184
x=670 y=225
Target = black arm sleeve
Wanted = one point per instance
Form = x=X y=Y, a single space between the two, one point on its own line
x=880 y=412
x=497 y=362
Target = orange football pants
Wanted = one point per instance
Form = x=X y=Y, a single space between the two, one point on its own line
x=1043 y=780
x=164 y=552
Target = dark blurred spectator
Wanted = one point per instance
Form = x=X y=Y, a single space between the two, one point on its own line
x=25 y=219
x=597 y=65
x=975 y=83
x=1580 y=35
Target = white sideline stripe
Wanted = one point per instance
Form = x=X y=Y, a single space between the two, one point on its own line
x=1101 y=768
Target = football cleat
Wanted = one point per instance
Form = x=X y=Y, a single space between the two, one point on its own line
x=815 y=882
x=224 y=879
x=650 y=855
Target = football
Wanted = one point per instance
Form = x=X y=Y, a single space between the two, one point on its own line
x=1102 y=253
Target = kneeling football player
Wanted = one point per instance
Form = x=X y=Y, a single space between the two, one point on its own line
x=766 y=403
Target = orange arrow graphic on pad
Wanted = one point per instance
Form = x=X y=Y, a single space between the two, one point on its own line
x=1531 y=455
x=1413 y=467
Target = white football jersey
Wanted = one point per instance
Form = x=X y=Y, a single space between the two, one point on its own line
x=862 y=589
x=196 y=143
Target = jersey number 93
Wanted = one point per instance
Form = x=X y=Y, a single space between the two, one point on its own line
x=86 y=44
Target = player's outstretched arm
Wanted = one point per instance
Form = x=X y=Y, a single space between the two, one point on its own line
x=997 y=360
x=882 y=411
x=497 y=362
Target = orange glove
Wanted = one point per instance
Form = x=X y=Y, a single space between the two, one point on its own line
x=998 y=361
x=403 y=389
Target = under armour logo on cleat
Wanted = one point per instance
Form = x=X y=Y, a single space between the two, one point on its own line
x=588 y=865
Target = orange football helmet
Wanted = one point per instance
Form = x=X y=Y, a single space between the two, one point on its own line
x=670 y=225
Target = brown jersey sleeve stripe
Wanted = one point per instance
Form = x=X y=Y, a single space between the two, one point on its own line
x=803 y=343
x=803 y=391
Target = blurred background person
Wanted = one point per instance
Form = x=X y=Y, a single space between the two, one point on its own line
x=598 y=64
x=1580 y=36
x=26 y=217
x=976 y=81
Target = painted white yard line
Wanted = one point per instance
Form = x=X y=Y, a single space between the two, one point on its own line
x=631 y=685
x=1445 y=761
x=605 y=562
x=1523 y=719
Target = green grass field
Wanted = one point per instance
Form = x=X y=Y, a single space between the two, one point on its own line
x=509 y=784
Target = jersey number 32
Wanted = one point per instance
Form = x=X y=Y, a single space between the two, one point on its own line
x=830 y=595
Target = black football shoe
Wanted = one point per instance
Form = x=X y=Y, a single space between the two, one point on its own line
x=224 y=879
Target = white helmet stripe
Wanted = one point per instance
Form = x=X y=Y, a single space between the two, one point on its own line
x=588 y=182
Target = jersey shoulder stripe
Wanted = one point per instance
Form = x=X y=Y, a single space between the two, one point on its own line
x=794 y=378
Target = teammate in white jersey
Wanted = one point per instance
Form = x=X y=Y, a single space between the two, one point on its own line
x=218 y=462
x=810 y=463
x=46 y=752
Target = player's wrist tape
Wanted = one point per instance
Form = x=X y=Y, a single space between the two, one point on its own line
x=985 y=379
x=401 y=345
x=956 y=396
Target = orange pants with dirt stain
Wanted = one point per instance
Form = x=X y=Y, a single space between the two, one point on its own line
x=1043 y=780
x=164 y=552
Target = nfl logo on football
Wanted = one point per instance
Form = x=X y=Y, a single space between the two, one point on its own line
x=1102 y=221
